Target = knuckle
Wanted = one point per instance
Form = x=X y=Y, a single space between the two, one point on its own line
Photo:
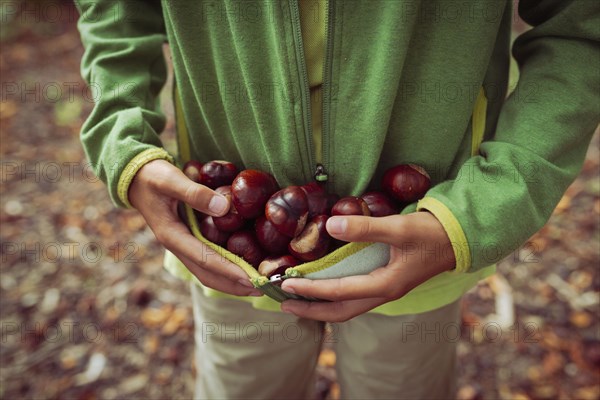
x=393 y=293
x=365 y=227
x=160 y=181
x=195 y=195
x=162 y=237
x=200 y=262
x=337 y=291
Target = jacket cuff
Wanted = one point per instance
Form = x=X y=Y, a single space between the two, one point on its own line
x=137 y=162
x=455 y=233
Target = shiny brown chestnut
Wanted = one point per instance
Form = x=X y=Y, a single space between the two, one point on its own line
x=380 y=204
x=287 y=210
x=250 y=191
x=232 y=221
x=191 y=169
x=217 y=173
x=317 y=199
x=313 y=242
x=276 y=265
x=350 y=205
x=245 y=245
x=211 y=232
x=406 y=183
x=271 y=240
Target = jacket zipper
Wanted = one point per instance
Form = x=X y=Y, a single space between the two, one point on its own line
x=319 y=172
x=321 y=176
x=305 y=89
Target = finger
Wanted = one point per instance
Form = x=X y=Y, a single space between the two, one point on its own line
x=175 y=184
x=176 y=237
x=366 y=229
x=330 y=312
x=179 y=240
x=218 y=282
x=375 y=284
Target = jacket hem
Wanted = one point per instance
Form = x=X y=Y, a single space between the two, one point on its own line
x=435 y=293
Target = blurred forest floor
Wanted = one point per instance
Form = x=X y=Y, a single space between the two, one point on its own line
x=87 y=311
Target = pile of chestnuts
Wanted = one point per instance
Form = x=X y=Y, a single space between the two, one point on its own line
x=273 y=229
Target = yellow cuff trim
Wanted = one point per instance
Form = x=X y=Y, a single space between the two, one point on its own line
x=134 y=166
x=453 y=230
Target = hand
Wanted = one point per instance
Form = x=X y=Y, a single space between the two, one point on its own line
x=155 y=190
x=419 y=250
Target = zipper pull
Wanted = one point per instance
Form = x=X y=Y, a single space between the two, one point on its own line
x=320 y=174
x=276 y=279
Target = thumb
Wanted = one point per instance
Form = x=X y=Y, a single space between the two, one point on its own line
x=365 y=229
x=171 y=181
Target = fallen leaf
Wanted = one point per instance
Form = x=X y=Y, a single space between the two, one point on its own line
x=520 y=396
x=155 y=317
x=8 y=108
x=534 y=373
x=327 y=358
x=580 y=319
x=176 y=321
x=552 y=363
x=334 y=393
x=151 y=344
x=469 y=392
x=93 y=371
x=133 y=384
x=588 y=393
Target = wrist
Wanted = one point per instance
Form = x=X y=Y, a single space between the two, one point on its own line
x=132 y=169
x=435 y=247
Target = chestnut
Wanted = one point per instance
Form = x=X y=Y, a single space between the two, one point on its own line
x=191 y=169
x=273 y=241
x=317 y=199
x=232 y=221
x=287 y=210
x=217 y=173
x=379 y=204
x=245 y=245
x=351 y=205
x=210 y=231
x=313 y=242
x=406 y=183
x=276 y=265
x=250 y=191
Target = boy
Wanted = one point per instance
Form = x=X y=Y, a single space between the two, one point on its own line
x=356 y=87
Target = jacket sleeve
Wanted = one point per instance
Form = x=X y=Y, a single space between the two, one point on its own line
x=124 y=66
x=508 y=191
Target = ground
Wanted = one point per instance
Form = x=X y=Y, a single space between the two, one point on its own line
x=87 y=312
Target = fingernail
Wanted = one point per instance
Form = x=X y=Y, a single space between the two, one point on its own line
x=336 y=225
x=217 y=205
x=245 y=282
x=286 y=309
x=289 y=289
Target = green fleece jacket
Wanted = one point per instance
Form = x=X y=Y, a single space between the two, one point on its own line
x=400 y=84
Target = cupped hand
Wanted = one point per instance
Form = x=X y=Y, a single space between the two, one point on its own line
x=154 y=192
x=419 y=250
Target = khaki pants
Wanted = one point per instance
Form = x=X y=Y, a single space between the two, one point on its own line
x=246 y=353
